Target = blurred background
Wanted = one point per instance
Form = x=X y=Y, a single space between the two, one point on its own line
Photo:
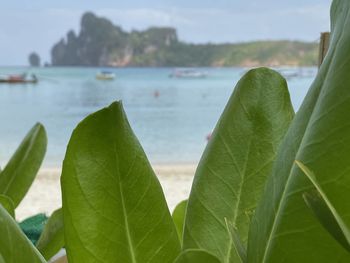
x=174 y=65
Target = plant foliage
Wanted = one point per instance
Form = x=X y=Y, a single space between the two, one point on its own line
x=269 y=188
x=236 y=163
x=19 y=173
x=114 y=208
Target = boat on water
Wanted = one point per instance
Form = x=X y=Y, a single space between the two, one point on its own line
x=291 y=73
x=188 y=73
x=105 y=75
x=19 y=79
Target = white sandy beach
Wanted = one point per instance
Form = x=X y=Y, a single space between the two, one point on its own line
x=45 y=194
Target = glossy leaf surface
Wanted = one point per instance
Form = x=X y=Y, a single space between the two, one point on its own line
x=237 y=244
x=284 y=228
x=237 y=160
x=324 y=211
x=114 y=208
x=14 y=245
x=179 y=217
x=19 y=173
x=52 y=238
x=7 y=203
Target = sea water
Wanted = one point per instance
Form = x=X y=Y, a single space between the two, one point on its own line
x=171 y=117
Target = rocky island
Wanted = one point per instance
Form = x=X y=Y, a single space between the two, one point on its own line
x=101 y=43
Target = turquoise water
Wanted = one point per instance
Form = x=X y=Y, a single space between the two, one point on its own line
x=172 y=128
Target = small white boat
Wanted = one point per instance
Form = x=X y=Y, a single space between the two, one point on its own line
x=291 y=73
x=188 y=73
x=105 y=75
x=288 y=72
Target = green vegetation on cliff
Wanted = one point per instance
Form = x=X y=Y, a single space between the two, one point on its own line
x=100 y=43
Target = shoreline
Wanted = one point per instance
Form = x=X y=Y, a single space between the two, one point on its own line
x=44 y=196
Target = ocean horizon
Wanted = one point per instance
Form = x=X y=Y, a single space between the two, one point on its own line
x=172 y=117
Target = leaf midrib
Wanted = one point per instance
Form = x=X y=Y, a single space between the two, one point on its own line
x=243 y=173
x=126 y=221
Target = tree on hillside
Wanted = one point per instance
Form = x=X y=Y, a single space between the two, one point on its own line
x=34 y=59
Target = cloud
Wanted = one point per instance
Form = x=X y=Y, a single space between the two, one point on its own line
x=141 y=18
x=28 y=31
x=38 y=30
x=228 y=25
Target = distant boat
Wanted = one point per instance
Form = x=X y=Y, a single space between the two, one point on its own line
x=290 y=73
x=105 y=75
x=188 y=73
x=19 y=79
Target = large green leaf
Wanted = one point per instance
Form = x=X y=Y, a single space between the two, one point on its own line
x=52 y=238
x=7 y=203
x=196 y=256
x=179 y=217
x=284 y=228
x=19 y=174
x=232 y=172
x=114 y=208
x=324 y=211
x=14 y=245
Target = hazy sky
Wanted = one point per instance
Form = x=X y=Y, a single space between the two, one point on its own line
x=35 y=25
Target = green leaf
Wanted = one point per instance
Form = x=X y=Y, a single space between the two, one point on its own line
x=14 y=245
x=196 y=256
x=52 y=238
x=231 y=175
x=7 y=203
x=19 y=174
x=283 y=228
x=324 y=211
x=237 y=243
x=114 y=208
x=179 y=217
